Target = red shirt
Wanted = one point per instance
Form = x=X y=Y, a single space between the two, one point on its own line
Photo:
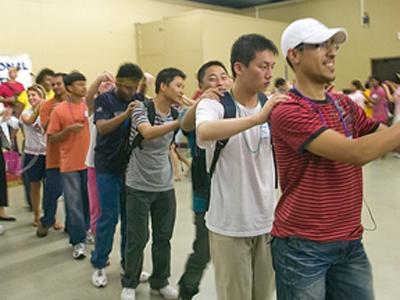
x=321 y=199
x=9 y=89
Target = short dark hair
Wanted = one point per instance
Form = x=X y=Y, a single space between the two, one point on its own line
x=279 y=82
x=70 y=78
x=204 y=67
x=245 y=48
x=166 y=76
x=358 y=84
x=129 y=70
x=42 y=74
x=59 y=74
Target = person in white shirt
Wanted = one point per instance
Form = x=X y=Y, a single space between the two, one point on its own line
x=242 y=198
x=35 y=147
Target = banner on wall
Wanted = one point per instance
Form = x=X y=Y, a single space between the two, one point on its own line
x=22 y=62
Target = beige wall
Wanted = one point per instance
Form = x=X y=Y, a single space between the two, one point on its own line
x=378 y=40
x=88 y=35
x=188 y=40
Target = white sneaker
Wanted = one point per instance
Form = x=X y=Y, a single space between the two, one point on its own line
x=90 y=238
x=2 y=229
x=167 y=292
x=128 y=294
x=79 y=251
x=99 y=278
x=144 y=277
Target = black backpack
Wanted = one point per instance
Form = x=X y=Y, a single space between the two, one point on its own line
x=201 y=179
x=126 y=147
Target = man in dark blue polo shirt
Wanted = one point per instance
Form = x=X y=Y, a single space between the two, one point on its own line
x=112 y=114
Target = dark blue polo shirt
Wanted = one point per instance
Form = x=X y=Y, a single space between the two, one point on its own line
x=108 y=106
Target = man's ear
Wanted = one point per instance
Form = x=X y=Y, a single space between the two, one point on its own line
x=294 y=56
x=238 y=67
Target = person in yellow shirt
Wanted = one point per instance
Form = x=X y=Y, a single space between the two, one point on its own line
x=44 y=79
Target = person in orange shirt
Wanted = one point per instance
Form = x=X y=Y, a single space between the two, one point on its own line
x=53 y=185
x=69 y=128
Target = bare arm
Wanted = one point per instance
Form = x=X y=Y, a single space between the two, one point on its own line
x=94 y=87
x=151 y=132
x=29 y=120
x=388 y=93
x=335 y=146
x=188 y=122
x=106 y=126
x=62 y=135
x=225 y=128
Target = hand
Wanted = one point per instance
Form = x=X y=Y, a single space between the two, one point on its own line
x=131 y=107
x=8 y=112
x=106 y=76
x=76 y=127
x=212 y=93
x=263 y=115
x=187 y=101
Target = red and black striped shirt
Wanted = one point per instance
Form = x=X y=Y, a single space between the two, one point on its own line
x=321 y=199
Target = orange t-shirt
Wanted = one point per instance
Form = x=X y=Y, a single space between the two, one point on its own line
x=52 y=149
x=74 y=147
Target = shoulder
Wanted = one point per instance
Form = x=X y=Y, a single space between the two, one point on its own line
x=210 y=104
x=344 y=101
x=295 y=105
x=60 y=108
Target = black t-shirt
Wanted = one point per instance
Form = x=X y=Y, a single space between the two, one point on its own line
x=108 y=106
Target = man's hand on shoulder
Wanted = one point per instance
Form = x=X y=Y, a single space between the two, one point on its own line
x=264 y=114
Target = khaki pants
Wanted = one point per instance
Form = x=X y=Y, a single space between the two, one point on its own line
x=243 y=267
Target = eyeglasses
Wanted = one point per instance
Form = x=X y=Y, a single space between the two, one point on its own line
x=329 y=44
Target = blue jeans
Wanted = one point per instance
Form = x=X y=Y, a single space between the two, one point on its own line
x=307 y=270
x=76 y=199
x=52 y=191
x=112 y=205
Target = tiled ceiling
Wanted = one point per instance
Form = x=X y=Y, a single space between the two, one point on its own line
x=239 y=4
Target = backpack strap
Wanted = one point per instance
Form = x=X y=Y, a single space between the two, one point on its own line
x=229 y=113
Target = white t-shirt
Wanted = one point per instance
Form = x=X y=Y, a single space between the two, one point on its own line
x=358 y=98
x=242 y=200
x=35 y=137
x=93 y=136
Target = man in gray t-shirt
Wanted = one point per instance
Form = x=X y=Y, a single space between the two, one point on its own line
x=149 y=167
x=150 y=190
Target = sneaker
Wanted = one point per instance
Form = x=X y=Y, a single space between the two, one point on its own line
x=42 y=231
x=128 y=294
x=2 y=229
x=144 y=277
x=79 y=251
x=99 y=278
x=167 y=292
x=90 y=238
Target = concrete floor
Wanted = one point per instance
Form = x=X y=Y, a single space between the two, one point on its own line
x=32 y=268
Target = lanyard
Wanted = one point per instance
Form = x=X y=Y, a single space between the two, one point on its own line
x=338 y=108
x=71 y=113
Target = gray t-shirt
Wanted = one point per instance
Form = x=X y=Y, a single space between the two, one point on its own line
x=150 y=168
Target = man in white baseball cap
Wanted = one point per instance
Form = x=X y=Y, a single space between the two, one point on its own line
x=310 y=31
x=321 y=140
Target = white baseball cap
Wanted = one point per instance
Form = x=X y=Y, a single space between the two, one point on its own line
x=309 y=31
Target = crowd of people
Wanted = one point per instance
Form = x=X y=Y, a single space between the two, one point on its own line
x=109 y=151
